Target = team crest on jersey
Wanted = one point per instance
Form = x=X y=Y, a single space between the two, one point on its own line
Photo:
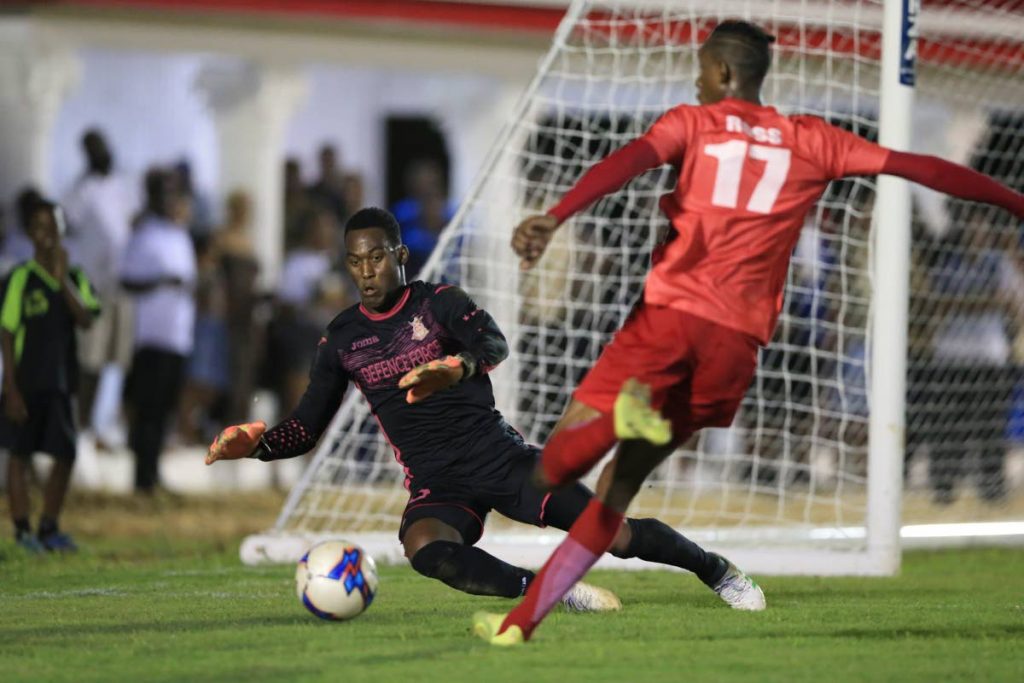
x=419 y=330
x=37 y=304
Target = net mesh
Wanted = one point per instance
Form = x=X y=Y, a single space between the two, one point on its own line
x=795 y=459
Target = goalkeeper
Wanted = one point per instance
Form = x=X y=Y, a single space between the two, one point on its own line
x=420 y=353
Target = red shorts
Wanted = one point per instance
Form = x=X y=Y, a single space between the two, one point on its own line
x=698 y=370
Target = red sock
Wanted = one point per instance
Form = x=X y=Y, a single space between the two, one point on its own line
x=590 y=536
x=572 y=451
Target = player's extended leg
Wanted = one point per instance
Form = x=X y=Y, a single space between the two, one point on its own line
x=584 y=435
x=437 y=551
x=589 y=538
x=648 y=539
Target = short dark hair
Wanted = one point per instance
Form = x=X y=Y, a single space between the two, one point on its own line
x=26 y=204
x=42 y=204
x=373 y=217
x=745 y=47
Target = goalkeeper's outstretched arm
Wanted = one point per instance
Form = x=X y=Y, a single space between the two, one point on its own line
x=298 y=434
x=300 y=431
x=483 y=346
x=474 y=328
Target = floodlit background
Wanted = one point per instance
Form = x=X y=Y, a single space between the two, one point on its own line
x=304 y=111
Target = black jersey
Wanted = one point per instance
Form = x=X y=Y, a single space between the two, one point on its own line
x=35 y=313
x=455 y=433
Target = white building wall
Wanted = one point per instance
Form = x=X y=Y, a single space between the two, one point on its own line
x=149 y=108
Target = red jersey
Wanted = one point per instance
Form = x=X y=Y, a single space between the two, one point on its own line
x=747 y=178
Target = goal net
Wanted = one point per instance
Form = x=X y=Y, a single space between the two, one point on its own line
x=785 y=489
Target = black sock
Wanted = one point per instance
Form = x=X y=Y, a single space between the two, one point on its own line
x=654 y=541
x=47 y=526
x=471 y=570
x=22 y=527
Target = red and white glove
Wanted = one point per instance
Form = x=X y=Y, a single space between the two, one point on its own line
x=429 y=378
x=236 y=441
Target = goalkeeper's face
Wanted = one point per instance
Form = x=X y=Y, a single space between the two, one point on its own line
x=375 y=264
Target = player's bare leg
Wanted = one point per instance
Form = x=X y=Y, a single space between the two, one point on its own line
x=436 y=550
x=733 y=586
x=589 y=538
x=573 y=426
x=583 y=435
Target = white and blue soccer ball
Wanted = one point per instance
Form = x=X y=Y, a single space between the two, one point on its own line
x=336 y=580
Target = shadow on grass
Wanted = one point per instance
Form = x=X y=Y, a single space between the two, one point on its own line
x=9 y=635
x=959 y=632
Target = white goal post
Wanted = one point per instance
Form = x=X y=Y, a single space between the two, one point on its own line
x=886 y=410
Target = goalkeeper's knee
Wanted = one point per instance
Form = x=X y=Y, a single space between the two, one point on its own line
x=470 y=570
x=437 y=560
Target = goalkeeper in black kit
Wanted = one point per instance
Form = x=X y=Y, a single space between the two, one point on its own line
x=421 y=353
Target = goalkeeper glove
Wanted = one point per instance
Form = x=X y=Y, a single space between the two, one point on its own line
x=236 y=441
x=429 y=378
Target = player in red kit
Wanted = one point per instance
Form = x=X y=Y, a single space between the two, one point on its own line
x=684 y=358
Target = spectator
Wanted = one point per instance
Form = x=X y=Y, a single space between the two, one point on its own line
x=329 y=189
x=44 y=300
x=309 y=291
x=354 y=190
x=297 y=204
x=961 y=393
x=239 y=269
x=160 y=270
x=208 y=368
x=99 y=210
x=200 y=221
x=423 y=212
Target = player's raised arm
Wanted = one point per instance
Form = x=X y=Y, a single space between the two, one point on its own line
x=845 y=154
x=953 y=179
x=663 y=143
x=298 y=433
x=483 y=343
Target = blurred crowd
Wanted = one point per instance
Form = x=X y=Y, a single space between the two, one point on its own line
x=806 y=421
x=190 y=328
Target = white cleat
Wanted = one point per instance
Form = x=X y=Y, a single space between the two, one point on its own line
x=586 y=598
x=739 y=591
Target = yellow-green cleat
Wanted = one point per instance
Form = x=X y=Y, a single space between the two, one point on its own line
x=636 y=419
x=487 y=624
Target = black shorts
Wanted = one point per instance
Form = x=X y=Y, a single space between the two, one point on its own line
x=463 y=506
x=50 y=428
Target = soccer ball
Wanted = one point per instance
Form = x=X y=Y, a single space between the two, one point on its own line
x=336 y=580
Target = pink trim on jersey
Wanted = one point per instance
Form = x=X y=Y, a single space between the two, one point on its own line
x=544 y=509
x=398 y=452
x=387 y=314
x=442 y=288
x=423 y=493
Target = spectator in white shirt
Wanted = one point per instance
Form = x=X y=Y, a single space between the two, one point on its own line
x=98 y=211
x=159 y=268
x=310 y=292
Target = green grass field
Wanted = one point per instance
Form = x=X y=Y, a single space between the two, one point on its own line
x=188 y=611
